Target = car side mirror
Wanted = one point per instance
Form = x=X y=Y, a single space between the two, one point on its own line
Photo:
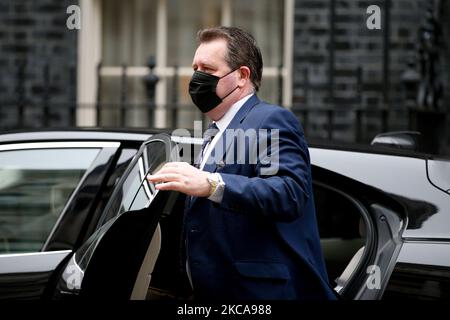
x=405 y=140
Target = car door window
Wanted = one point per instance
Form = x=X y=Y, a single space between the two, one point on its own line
x=136 y=192
x=129 y=221
x=35 y=185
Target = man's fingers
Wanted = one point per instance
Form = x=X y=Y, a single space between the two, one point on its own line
x=175 y=164
x=164 y=177
x=175 y=167
x=165 y=170
x=165 y=167
x=171 y=164
x=175 y=186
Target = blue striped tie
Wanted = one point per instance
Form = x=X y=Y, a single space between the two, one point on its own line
x=208 y=136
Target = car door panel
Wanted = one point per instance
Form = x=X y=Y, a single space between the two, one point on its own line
x=384 y=220
x=113 y=269
x=25 y=276
x=389 y=227
x=125 y=247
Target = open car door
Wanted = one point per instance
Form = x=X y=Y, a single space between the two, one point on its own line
x=361 y=225
x=117 y=261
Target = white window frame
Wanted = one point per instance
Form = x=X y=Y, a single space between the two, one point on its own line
x=89 y=55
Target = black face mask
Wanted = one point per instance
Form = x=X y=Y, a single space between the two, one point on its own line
x=202 y=89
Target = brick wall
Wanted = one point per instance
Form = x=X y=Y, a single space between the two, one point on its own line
x=355 y=45
x=35 y=33
x=446 y=67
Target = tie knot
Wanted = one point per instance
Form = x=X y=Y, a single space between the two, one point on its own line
x=210 y=132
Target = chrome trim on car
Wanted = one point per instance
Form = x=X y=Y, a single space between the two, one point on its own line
x=59 y=145
x=181 y=139
x=428 y=252
x=31 y=261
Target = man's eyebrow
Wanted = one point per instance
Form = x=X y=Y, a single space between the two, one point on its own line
x=206 y=65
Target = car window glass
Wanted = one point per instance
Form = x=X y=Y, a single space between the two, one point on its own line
x=84 y=254
x=35 y=186
x=136 y=192
x=126 y=156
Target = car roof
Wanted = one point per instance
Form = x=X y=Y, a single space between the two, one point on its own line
x=373 y=149
x=86 y=134
x=142 y=134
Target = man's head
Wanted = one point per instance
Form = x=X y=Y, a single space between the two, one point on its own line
x=232 y=55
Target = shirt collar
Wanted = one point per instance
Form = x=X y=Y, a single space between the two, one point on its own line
x=223 y=122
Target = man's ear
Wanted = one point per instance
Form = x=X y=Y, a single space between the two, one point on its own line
x=244 y=75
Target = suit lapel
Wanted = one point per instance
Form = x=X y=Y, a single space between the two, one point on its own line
x=217 y=156
x=214 y=160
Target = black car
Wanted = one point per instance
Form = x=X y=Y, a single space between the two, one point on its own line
x=79 y=219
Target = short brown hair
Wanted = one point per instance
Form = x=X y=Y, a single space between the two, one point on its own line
x=242 y=49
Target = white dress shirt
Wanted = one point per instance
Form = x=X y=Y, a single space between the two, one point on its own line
x=222 y=124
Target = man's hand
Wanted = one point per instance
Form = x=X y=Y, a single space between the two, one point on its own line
x=182 y=177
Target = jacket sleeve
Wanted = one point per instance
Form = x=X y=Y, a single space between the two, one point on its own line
x=283 y=195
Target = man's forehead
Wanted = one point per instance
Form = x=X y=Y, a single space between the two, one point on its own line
x=211 y=51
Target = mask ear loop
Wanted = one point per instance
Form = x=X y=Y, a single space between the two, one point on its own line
x=231 y=90
x=229 y=93
x=229 y=73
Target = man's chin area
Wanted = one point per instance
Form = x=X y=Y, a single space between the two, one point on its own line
x=218 y=112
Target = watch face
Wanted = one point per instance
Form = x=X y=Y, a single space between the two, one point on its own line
x=213 y=181
x=212 y=178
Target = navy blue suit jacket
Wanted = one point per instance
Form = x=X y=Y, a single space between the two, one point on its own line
x=261 y=241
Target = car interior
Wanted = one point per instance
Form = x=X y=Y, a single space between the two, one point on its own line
x=168 y=280
x=35 y=186
x=342 y=234
x=30 y=203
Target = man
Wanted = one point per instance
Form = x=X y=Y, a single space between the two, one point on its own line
x=250 y=234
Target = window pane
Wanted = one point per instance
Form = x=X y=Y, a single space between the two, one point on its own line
x=35 y=185
x=185 y=111
x=129 y=32
x=265 y=22
x=136 y=192
x=270 y=90
x=123 y=106
x=185 y=19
